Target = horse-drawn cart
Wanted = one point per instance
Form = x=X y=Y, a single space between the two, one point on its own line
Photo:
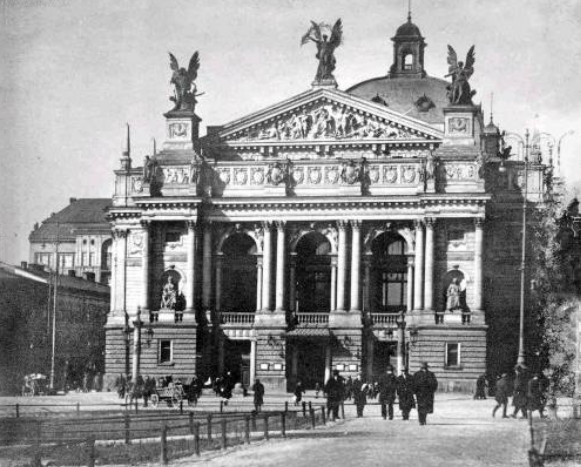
x=173 y=394
x=34 y=385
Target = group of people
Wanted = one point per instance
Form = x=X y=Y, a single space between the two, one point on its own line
x=144 y=388
x=411 y=391
x=528 y=393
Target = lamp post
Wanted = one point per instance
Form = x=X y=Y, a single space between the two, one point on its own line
x=400 y=321
x=138 y=324
x=126 y=330
x=521 y=338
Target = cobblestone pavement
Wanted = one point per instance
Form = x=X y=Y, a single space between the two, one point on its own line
x=461 y=432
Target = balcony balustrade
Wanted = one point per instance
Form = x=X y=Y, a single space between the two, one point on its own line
x=236 y=318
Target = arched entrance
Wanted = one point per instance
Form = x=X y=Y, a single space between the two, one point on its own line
x=387 y=291
x=308 y=353
x=238 y=274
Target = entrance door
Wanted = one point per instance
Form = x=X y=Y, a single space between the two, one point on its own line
x=310 y=363
x=237 y=360
x=384 y=354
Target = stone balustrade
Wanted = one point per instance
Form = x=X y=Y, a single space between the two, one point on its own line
x=236 y=318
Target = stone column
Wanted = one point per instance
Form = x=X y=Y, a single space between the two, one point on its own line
x=114 y=271
x=145 y=225
x=419 y=267
x=252 y=361
x=367 y=302
x=429 y=265
x=258 y=284
x=333 y=283
x=356 y=266
x=266 y=265
x=410 y=284
x=478 y=250
x=122 y=270
x=280 y=265
x=191 y=266
x=207 y=268
x=342 y=265
x=218 y=302
x=292 y=291
x=370 y=351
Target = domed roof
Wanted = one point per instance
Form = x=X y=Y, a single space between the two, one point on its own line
x=408 y=29
x=421 y=98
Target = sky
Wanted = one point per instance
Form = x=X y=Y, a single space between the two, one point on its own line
x=74 y=72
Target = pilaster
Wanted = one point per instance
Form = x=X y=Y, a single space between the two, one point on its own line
x=356 y=266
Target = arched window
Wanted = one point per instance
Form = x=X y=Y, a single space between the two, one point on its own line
x=238 y=274
x=107 y=255
x=313 y=266
x=408 y=61
x=389 y=281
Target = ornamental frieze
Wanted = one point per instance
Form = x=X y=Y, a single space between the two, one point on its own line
x=408 y=173
x=324 y=121
x=465 y=171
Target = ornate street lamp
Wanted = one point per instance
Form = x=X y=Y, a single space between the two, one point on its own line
x=138 y=324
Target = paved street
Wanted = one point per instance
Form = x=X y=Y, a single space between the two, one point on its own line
x=460 y=433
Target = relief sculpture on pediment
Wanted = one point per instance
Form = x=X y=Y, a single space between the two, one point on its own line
x=327 y=121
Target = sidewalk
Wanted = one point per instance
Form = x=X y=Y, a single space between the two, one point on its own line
x=460 y=433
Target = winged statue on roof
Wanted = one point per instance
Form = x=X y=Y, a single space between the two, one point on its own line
x=327 y=39
x=459 y=91
x=185 y=91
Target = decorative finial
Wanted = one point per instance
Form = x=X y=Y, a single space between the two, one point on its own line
x=491 y=104
x=154 y=147
x=409 y=11
x=126 y=159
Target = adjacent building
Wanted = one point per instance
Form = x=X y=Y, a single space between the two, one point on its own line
x=338 y=229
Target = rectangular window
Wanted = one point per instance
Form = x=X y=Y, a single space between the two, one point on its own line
x=42 y=258
x=83 y=259
x=91 y=259
x=165 y=351
x=66 y=261
x=452 y=354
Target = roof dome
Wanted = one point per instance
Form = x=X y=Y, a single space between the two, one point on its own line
x=408 y=29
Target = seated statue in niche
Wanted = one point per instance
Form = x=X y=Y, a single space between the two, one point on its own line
x=453 y=295
x=169 y=295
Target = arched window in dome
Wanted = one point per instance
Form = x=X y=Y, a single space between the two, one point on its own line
x=408 y=61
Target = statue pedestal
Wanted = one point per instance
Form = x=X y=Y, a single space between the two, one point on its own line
x=182 y=128
x=324 y=83
x=459 y=125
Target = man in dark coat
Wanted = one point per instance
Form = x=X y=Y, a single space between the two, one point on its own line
x=519 y=400
x=334 y=391
x=425 y=385
x=480 y=387
x=405 y=394
x=358 y=387
x=387 y=390
x=536 y=399
x=501 y=395
x=258 y=389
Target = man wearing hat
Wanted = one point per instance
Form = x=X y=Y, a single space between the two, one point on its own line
x=334 y=391
x=387 y=389
x=425 y=385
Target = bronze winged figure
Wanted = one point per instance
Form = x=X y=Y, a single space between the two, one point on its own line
x=459 y=91
x=184 y=96
x=325 y=47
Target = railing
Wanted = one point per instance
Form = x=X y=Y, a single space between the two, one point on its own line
x=236 y=318
x=462 y=317
x=312 y=318
x=384 y=318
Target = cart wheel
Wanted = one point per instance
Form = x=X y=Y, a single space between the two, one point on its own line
x=175 y=400
x=154 y=400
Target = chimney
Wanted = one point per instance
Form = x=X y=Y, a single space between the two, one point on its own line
x=23 y=264
x=89 y=276
x=71 y=273
x=72 y=200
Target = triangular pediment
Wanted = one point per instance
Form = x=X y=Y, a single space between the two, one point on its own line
x=326 y=116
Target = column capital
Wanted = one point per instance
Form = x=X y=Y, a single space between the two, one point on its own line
x=418 y=224
x=342 y=224
x=145 y=223
x=430 y=222
x=479 y=222
x=411 y=260
x=267 y=225
x=280 y=225
x=356 y=224
x=191 y=224
x=120 y=233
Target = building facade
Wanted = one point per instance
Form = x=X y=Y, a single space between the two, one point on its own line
x=80 y=236
x=338 y=229
x=27 y=318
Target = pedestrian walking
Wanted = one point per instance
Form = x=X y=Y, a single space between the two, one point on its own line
x=536 y=399
x=334 y=392
x=317 y=389
x=258 y=389
x=387 y=390
x=501 y=394
x=348 y=388
x=299 y=391
x=405 y=394
x=359 y=389
x=519 y=399
x=480 y=392
x=425 y=385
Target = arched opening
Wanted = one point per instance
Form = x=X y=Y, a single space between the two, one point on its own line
x=408 y=61
x=389 y=279
x=313 y=267
x=239 y=274
x=454 y=291
x=107 y=254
